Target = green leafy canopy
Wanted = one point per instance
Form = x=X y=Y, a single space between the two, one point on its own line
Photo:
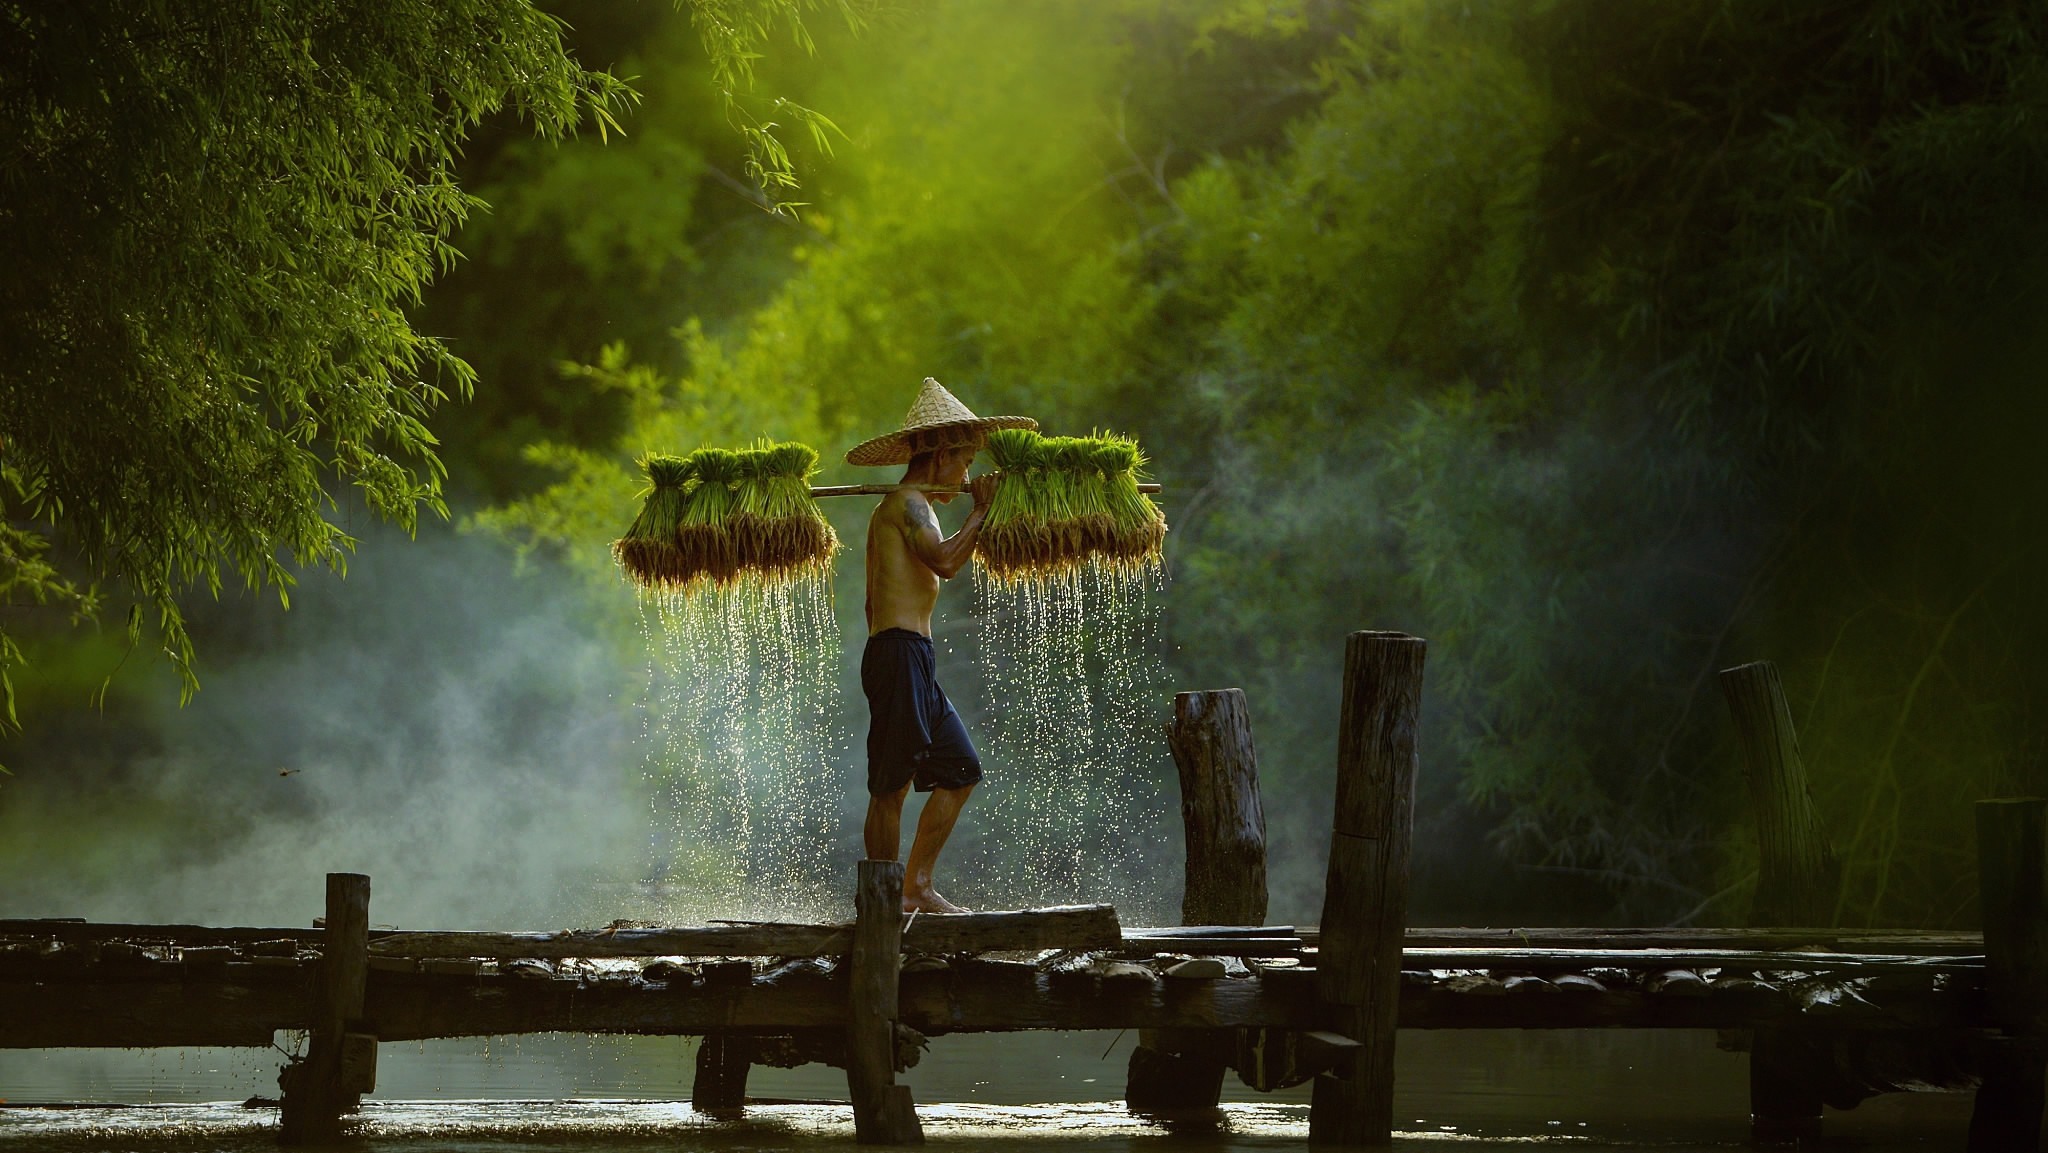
x=212 y=219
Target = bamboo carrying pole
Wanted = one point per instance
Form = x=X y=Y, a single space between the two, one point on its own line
x=886 y=489
x=1798 y=882
x=1365 y=897
x=1225 y=824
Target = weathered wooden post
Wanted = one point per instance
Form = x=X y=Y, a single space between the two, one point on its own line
x=341 y=1061
x=1211 y=741
x=1365 y=900
x=2012 y=883
x=723 y=1060
x=882 y=1109
x=1798 y=882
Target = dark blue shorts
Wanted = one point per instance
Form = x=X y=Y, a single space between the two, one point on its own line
x=913 y=733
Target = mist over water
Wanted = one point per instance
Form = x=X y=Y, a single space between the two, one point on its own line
x=455 y=729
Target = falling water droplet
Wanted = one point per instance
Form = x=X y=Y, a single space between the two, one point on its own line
x=742 y=692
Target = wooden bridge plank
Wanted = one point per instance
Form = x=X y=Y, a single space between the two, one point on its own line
x=1059 y=927
x=711 y=940
x=969 y=998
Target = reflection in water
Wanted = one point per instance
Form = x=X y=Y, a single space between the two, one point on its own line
x=1620 y=1089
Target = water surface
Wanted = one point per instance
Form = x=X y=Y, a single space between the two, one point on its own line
x=1619 y=1089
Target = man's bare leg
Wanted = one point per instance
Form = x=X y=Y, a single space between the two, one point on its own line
x=934 y=825
x=884 y=829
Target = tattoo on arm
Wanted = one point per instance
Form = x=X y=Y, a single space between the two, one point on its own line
x=917 y=516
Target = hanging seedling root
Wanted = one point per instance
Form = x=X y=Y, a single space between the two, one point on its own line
x=717 y=516
x=1066 y=503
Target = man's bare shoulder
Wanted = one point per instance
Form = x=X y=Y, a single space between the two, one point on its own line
x=889 y=513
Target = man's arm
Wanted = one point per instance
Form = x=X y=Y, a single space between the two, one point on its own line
x=945 y=556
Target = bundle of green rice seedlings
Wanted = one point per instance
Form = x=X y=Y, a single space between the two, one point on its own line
x=1079 y=492
x=778 y=530
x=704 y=532
x=1013 y=537
x=1137 y=529
x=1065 y=502
x=648 y=551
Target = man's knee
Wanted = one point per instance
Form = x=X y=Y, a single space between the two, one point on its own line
x=890 y=801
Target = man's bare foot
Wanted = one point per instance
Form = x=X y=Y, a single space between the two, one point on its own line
x=928 y=901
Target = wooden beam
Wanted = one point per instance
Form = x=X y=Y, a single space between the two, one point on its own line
x=1214 y=946
x=968 y=997
x=1274 y=940
x=1365 y=898
x=54 y=929
x=1888 y=941
x=1648 y=959
x=1060 y=927
x=144 y=1014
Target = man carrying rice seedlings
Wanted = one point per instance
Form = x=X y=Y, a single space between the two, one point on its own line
x=915 y=738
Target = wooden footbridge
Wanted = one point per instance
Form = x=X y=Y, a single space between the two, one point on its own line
x=1830 y=1016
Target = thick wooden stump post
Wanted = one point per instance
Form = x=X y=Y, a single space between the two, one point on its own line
x=1798 y=882
x=2012 y=880
x=329 y=1082
x=1211 y=742
x=1365 y=902
x=882 y=1111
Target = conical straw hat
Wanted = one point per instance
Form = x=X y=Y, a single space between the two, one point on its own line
x=936 y=420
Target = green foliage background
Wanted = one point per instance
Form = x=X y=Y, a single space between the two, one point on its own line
x=1604 y=346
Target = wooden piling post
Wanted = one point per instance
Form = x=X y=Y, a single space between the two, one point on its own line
x=882 y=1110
x=1211 y=741
x=2012 y=880
x=723 y=1060
x=1365 y=901
x=1799 y=880
x=329 y=1082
